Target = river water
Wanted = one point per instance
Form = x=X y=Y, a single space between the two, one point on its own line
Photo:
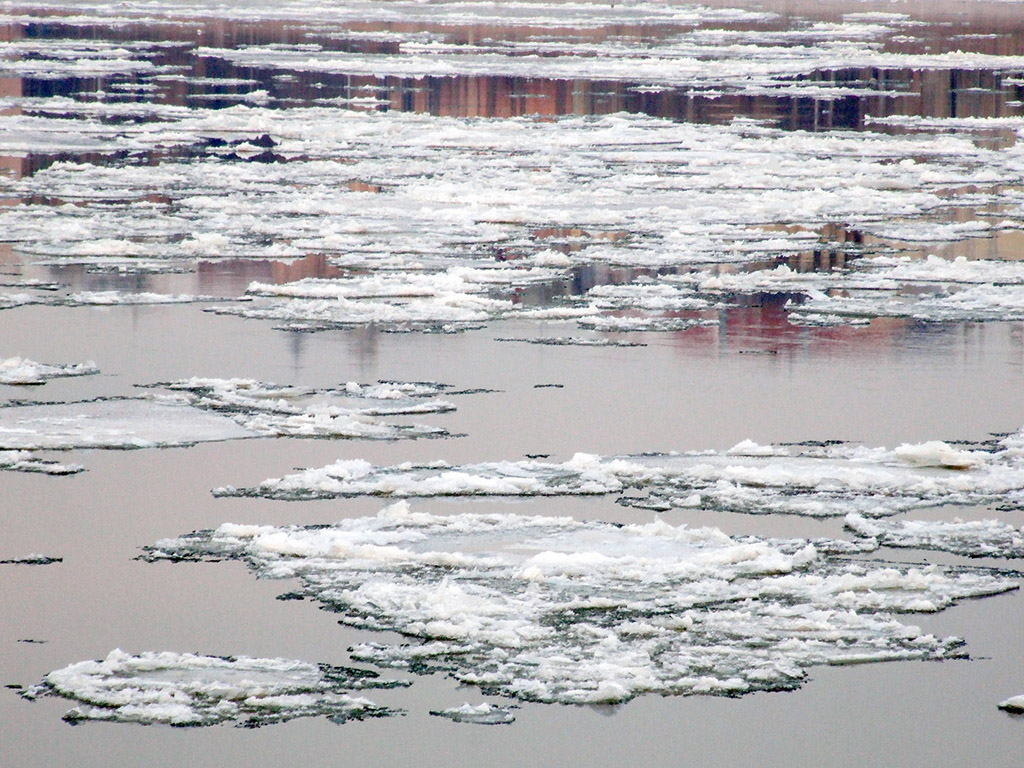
x=617 y=230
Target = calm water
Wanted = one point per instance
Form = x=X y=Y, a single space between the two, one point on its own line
x=753 y=375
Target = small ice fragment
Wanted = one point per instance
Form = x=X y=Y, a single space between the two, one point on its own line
x=481 y=714
x=936 y=453
x=19 y=370
x=1014 y=705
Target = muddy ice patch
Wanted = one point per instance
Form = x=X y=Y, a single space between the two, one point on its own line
x=190 y=690
x=554 y=610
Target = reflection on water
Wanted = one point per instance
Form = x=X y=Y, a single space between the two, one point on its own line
x=200 y=60
x=187 y=69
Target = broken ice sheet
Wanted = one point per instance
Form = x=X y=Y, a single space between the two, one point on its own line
x=971 y=538
x=816 y=481
x=205 y=409
x=184 y=689
x=120 y=423
x=554 y=610
x=19 y=370
x=348 y=411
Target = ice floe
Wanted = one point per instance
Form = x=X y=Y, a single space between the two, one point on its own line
x=554 y=610
x=350 y=411
x=185 y=689
x=26 y=461
x=818 y=481
x=574 y=341
x=32 y=560
x=20 y=370
x=972 y=538
x=205 y=409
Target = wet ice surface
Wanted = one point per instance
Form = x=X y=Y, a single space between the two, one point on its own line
x=555 y=610
x=185 y=689
x=817 y=481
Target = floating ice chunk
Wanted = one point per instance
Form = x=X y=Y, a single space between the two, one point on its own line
x=632 y=324
x=346 y=412
x=19 y=370
x=480 y=714
x=184 y=689
x=816 y=481
x=111 y=423
x=936 y=453
x=122 y=298
x=1014 y=705
x=26 y=461
x=505 y=478
x=555 y=610
x=203 y=410
x=12 y=300
x=576 y=341
x=974 y=538
x=32 y=560
x=750 y=448
x=448 y=308
x=976 y=303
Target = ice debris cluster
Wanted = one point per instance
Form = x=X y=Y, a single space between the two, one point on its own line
x=551 y=197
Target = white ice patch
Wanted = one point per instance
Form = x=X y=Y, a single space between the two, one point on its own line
x=973 y=538
x=816 y=481
x=555 y=610
x=184 y=689
x=20 y=370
